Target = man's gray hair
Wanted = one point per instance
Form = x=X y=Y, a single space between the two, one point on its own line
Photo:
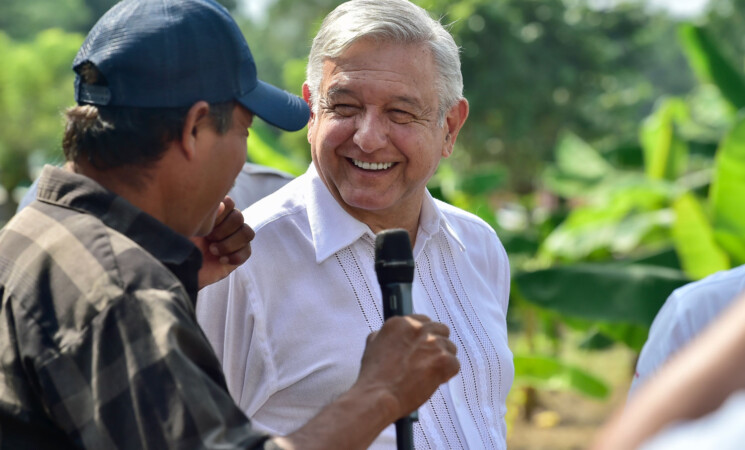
x=396 y=21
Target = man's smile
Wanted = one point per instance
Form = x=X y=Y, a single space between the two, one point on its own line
x=372 y=166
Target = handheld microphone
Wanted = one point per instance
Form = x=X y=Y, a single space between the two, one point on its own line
x=394 y=265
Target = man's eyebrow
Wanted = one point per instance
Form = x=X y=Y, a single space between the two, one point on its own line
x=408 y=100
x=336 y=91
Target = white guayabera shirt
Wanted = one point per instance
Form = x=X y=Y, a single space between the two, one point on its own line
x=290 y=324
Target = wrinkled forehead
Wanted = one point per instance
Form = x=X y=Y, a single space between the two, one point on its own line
x=369 y=61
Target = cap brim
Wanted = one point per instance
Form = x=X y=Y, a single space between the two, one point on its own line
x=277 y=107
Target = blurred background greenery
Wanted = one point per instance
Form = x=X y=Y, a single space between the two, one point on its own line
x=604 y=144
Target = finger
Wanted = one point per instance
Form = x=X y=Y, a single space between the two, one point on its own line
x=231 y=222
x=233 y=243
x=226 y=206
x=238 y=257
x=371 y=337
x=420 y=318
x=449 y=366
x=229 y=206
x=450 y=346
x=436 y=328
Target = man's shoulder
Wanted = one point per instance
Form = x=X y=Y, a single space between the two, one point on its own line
x=718 y=290
x=687 y=311
x=67 y=267
x=278 y=207
x=73 y=255
x=691 y=307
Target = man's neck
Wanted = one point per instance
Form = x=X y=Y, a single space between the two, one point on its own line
x=133 y=184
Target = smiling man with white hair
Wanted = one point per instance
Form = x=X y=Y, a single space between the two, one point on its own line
x=385 y=89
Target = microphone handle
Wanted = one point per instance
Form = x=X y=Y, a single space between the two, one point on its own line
x=397 y=302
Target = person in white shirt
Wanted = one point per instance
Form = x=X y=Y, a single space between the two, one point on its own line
x=686 y=312
x=695 y=401
x=385 y=90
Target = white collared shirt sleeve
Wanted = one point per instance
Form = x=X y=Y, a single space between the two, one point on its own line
x=684 y=315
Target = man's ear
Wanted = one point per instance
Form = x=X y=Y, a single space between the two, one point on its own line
x=196 y=119
x=306 y=97
x=454 y=121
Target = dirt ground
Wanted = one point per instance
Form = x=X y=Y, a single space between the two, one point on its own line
x=566 y=420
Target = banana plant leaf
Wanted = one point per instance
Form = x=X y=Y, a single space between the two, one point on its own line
x=551 y=373
x=727 y=193
x=612 y=293
x=665 y=152
x=694 y=239
x=710 y=65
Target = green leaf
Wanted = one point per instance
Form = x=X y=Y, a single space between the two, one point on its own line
x=577 y=158
x=665 y=153
x=727 y=193
x=264 y=149
x=606 y=292
x=566 y=185
x=665 y=257
x=633 y=336
x=579 y=167
x=694 y=240
x=615 y=228
x=596 y=340
x=554 y=374
x=483 y=180
x=710 y=65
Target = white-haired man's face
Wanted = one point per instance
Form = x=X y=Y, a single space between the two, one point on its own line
x=375 y=139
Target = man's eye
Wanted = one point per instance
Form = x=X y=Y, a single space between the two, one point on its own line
x=345 y=110
x=401 y=116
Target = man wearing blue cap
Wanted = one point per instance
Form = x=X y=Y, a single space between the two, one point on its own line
x=99 y=344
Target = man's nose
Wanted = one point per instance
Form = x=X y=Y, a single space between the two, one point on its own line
x=372 y=131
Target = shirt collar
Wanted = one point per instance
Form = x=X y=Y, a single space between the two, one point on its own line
x=333 y=229
x=70 y=190
x=432 y=221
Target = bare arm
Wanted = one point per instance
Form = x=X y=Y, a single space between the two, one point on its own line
x=695 y=382
x=403 y=365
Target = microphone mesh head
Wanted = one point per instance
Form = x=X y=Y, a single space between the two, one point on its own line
x=394 y=261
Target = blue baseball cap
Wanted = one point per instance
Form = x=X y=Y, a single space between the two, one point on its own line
x=173 y=53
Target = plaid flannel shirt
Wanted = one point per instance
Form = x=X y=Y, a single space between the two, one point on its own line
x=99 y=345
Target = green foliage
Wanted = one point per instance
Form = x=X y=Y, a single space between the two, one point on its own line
x=552 y=373
x=23 y=19
x=264 y=148
x=629 y=293
x=694 y=239
x=710 y=65
x=727 y=192
x=35 y=85
x=590 y=269
x=665 y=152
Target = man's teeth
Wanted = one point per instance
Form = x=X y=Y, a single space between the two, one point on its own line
x=372 y=166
